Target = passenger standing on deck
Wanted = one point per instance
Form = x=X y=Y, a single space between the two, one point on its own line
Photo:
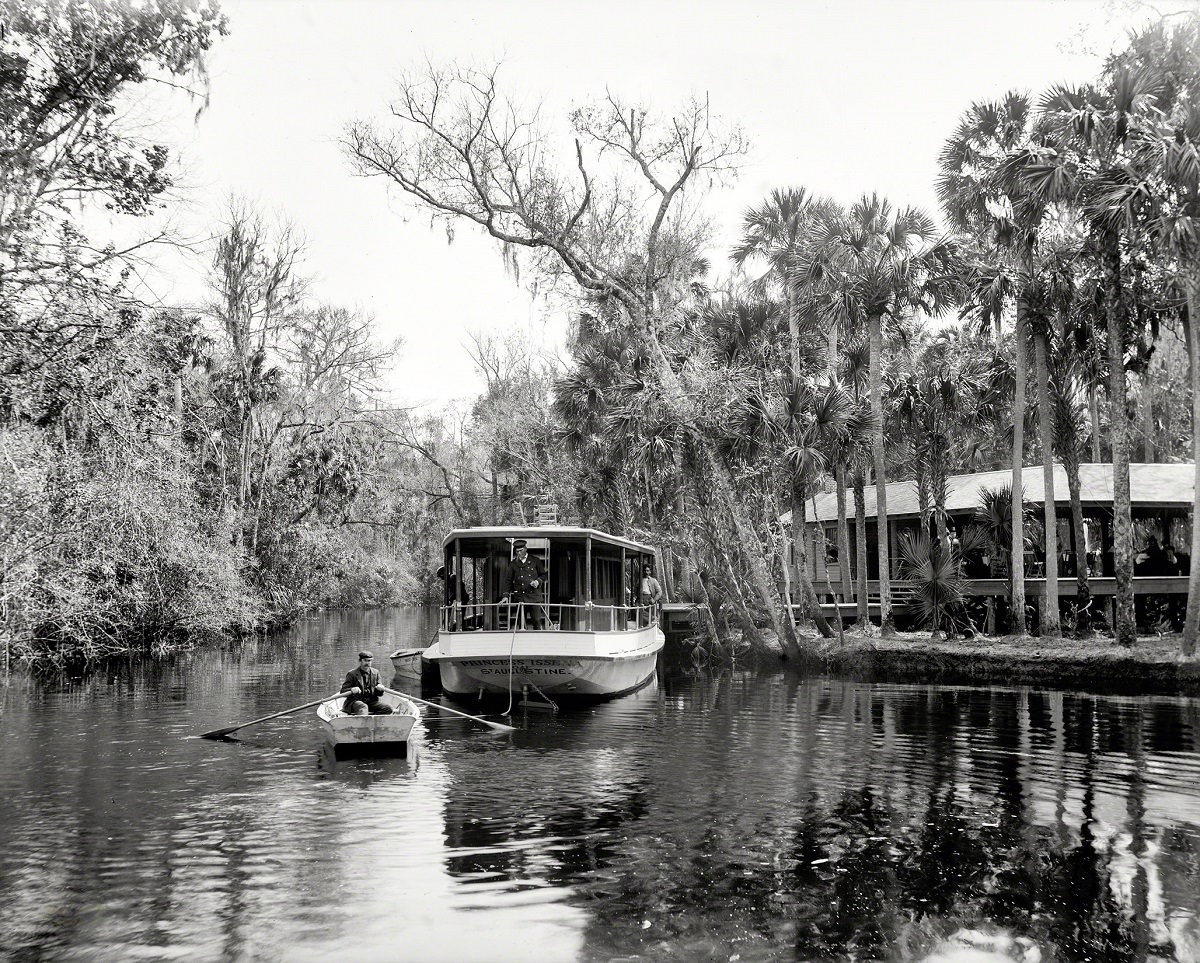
x=363 y=688
x=453 y=588
x=650 y=592
x=525 y=584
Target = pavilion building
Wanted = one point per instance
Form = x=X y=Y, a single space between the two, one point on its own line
x=1161 y=502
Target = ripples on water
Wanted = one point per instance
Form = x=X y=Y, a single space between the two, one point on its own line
x=764 y=817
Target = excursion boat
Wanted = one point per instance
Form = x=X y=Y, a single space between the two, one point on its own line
x=369 y=735
x=582 y=637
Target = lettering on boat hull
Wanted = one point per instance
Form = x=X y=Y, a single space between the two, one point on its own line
x=563 y=677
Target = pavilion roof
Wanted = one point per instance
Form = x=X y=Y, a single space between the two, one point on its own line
x=1151 y=486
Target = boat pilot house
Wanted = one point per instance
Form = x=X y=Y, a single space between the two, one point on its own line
x=589 y=581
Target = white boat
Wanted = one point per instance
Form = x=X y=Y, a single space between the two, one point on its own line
x=585 y=637
x=407 y=662
x=369 y=734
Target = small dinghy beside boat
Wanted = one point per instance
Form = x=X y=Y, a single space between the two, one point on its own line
x=368 y=735
x=407 y=662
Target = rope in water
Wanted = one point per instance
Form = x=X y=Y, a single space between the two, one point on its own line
x=520 y=616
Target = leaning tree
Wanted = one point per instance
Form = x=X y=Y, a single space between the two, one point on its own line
x=619 y=222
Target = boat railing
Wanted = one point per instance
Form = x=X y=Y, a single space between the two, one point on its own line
x=546 y=616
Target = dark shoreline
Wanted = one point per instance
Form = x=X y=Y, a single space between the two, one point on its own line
x=1153 y=666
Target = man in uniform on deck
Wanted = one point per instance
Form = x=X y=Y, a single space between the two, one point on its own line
x=526 y=582
x=363 y=687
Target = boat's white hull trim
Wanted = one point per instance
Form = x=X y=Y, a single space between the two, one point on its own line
x=342 y=730
x=592 y=664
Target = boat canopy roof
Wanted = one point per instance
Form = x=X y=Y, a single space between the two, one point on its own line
x=545 y=531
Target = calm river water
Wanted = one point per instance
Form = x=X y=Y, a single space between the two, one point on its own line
x=730 y=817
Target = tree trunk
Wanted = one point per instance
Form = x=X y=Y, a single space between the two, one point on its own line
x=1191 y=622
x=719 y=474
x=1083 y=592
x=843 y=535
x=837 y=612
x=940 y=480
x=1050 y=620
x=724 y=488
x=737 y=597
x=178 y=425
x=1094 y=412
x=785 y=561
x=886 y=625
x=1118 y=415
x=1017 y=549
x=793 y=328
x=1148 y=412
x=810 y=605
x=860 y=544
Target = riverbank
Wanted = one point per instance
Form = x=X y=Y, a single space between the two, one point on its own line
x=1096 y=663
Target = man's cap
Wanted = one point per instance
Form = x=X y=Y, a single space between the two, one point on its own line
x=364 y=654
x=441 y=572
x=519 y=543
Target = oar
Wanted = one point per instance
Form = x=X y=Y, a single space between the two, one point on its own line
x=218 y=733
x=498 y=726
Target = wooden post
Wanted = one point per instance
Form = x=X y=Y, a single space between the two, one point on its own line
x=626 y=593
x=459 y=613
x=587 y=584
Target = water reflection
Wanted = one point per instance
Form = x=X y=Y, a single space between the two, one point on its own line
x=768 y=816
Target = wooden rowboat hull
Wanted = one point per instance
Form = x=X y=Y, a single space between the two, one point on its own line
x=369 y=735
x=407 y=662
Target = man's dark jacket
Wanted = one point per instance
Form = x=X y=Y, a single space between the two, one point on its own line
x=368 y=680
x=521 y=577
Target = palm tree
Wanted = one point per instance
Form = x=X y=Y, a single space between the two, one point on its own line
x=935 y=569
x=980 y=200
x=887 y=264
x=938 y=404
x=855 y=373
x=1166 y=154
x=848 y=449
x=1039 y=330
x=1095 y=129
x=993 y=517
x=779 y=232
x=740 y=338
x=1067 y=389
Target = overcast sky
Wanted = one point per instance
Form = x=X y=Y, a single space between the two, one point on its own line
x=841 y=97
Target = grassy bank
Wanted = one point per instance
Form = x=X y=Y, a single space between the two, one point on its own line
x=1096 y=663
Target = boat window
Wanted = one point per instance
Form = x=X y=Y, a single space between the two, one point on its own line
x=486 y=567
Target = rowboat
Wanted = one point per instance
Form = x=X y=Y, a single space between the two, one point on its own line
x=585 y=636
x=369 y=735
x=407 y=662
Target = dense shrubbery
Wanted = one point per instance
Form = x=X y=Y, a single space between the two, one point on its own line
x=166 y=477
x=108 y=550
x=111 y=552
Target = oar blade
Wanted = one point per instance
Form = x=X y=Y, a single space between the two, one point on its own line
x=219 y=733
x=222 y=733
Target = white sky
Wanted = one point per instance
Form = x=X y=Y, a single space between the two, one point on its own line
x=840 y=97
